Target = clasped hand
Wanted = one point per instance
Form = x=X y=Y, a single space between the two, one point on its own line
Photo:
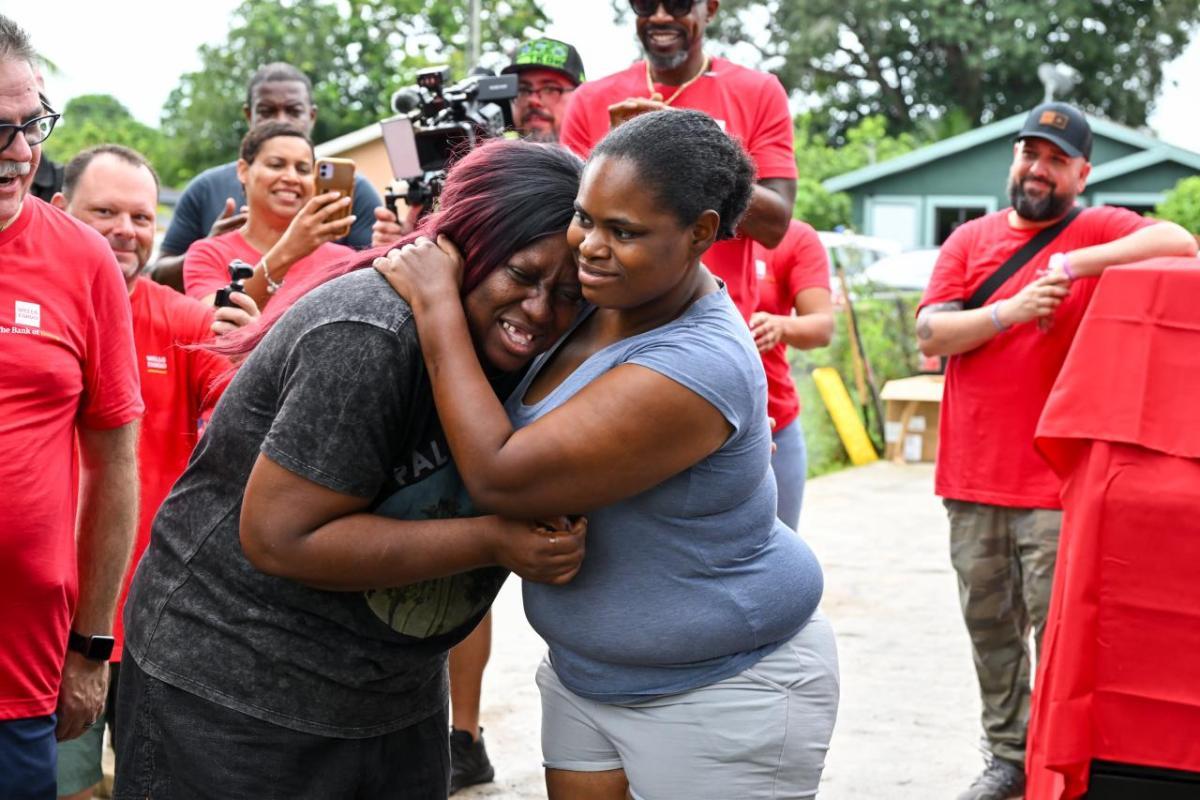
x=542 y=552
x=423 y=271
x=1039 y=299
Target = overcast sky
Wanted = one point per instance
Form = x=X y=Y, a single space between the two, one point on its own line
x=136 y=50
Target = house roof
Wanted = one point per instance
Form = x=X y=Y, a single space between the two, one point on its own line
x=348 y=141
x=1148 y=158
x=1009 y=127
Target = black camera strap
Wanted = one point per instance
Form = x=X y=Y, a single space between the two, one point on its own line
x=1019 y=259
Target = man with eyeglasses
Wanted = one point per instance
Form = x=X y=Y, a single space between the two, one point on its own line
x=547 y=71
x=750 y=105
x=68 y=386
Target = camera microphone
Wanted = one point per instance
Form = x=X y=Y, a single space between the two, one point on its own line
x=405 y=100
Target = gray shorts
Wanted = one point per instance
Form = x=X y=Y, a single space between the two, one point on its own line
x=761 y=734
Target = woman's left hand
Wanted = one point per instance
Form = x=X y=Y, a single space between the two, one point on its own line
x=423 y=271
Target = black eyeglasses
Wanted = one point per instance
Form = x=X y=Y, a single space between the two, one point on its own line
x=551 y=91
x=36 y=130
x=676 y=8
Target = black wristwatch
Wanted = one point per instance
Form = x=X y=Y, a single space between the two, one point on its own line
x=93 y=648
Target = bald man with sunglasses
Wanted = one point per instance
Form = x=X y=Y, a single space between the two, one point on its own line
x=750 y=105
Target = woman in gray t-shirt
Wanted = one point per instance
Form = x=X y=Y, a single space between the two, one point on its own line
x=687 y=658
x=265 y=655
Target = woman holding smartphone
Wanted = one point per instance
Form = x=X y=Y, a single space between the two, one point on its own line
x=687 y=658
x=288 y=230
x=287 y=629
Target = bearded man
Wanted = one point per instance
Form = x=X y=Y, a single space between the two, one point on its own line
x=1007 y=332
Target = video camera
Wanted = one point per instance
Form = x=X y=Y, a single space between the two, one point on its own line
x=437 y=122
x=239 y=272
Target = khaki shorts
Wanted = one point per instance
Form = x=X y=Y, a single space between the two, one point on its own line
x=761 y=734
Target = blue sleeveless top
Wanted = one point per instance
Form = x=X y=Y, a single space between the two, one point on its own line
x=694 y=580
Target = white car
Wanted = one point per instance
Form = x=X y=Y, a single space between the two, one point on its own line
x=903 y=271
x=855 y=252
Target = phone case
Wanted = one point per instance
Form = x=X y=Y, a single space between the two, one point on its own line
x=336 y=174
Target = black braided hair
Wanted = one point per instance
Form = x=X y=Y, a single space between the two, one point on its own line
x=689 y=163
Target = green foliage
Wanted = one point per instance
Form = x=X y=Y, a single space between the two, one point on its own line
x=817 y=159
x=93 y=119
x=917 y=60
x=357 y=52
x=1182 y=205
x=886 y=325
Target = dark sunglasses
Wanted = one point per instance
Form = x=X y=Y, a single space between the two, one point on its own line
x=676 y=8
x=36 y=130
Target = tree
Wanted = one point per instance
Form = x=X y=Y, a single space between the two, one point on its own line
x=357 y=52
x=919 y=60
x=93 y=119
x=1182 y=205
x=818 y=159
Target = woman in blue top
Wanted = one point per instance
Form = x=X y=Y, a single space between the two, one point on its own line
x=687 y=658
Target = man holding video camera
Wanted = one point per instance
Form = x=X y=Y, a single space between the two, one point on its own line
x=213 y=203
x=547 y=71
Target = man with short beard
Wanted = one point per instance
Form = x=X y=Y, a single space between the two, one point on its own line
x=751 y=106
x=114 y=191
x=547 y=71
x=69 y=411
x=1001 y=498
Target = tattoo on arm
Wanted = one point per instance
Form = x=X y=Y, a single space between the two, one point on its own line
x=924 y=330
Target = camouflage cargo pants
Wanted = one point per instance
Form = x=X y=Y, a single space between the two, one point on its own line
x=1004 y=558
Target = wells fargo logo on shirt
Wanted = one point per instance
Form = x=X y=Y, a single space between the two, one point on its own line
x=156 y=365
x=28 y=314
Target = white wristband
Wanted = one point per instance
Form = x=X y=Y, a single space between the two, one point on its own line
x=1000 y=326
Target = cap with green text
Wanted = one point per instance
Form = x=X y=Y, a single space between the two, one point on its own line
x=548 y=54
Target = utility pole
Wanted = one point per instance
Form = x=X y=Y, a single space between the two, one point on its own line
x=475 y=43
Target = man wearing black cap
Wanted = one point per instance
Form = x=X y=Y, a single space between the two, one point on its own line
x=547 y=71
x=1006 y=324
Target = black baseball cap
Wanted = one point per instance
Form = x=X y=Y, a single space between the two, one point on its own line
x=1060 y=123
x=548 y=54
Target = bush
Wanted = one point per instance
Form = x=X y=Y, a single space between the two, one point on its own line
x=887 y=325
x=1182 y=205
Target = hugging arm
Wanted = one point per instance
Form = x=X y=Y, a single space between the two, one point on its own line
x=626 y=432
x=294 y=528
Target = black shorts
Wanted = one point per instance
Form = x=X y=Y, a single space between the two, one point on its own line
x=173 y=744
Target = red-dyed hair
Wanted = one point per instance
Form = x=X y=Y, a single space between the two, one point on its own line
x=499 y=198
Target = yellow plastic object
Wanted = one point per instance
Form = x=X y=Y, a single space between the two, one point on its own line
x=845 y=419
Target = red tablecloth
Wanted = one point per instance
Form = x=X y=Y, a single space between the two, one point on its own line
x=1119 y=678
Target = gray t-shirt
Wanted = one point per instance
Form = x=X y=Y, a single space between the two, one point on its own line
x=694 y=580
x=204 y=200
x=337 y=393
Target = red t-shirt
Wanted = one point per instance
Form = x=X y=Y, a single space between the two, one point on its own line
x=66 y=360
x=994 y=394
x=206 y=265
x=750 y=105
x=798 y=263
x=180 y=385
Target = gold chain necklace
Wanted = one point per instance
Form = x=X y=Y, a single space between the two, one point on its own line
x=8 y=223
x=658 y=97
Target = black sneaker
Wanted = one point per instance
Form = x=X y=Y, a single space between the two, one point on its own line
x=469 y=763
x=1000 y=780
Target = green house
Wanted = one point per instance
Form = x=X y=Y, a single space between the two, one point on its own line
x=917 y=199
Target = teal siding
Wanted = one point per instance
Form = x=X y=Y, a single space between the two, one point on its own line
x=1157 y=178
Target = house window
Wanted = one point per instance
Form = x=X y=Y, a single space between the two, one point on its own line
x=947 y=218
x=947 y=212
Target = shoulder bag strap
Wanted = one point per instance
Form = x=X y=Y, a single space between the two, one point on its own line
x=1019 y=259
